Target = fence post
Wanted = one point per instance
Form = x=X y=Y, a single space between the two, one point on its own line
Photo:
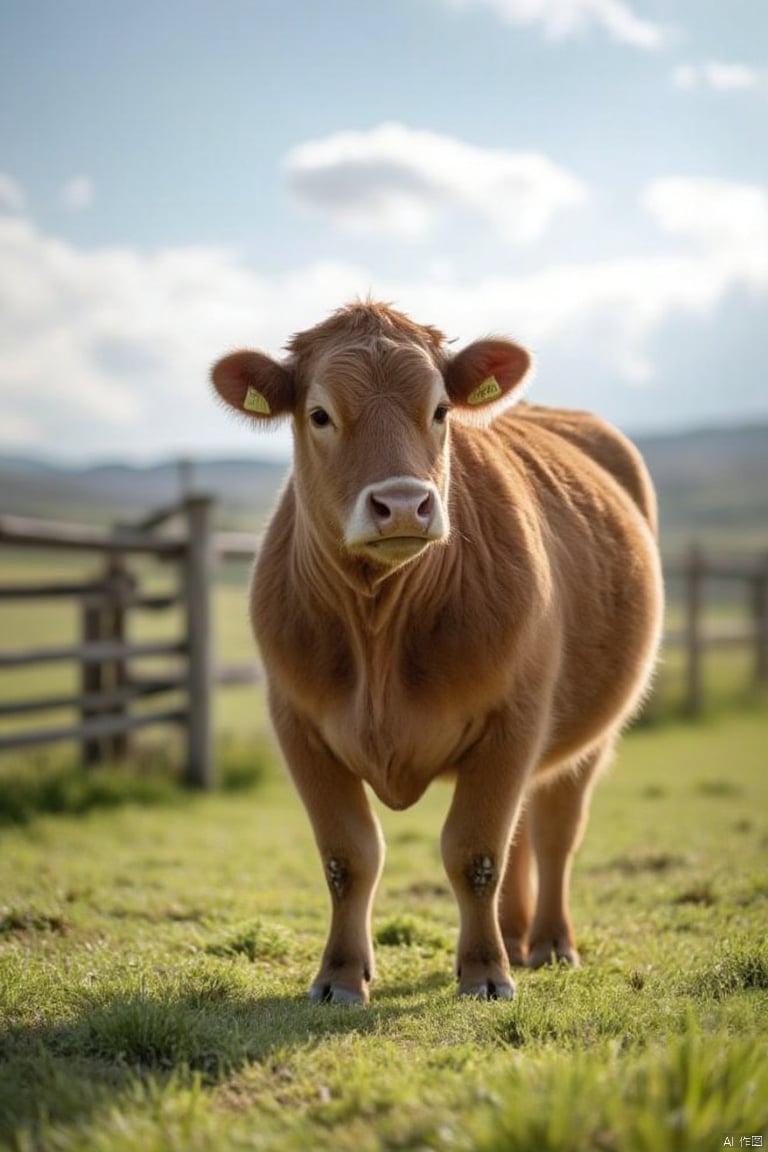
x=694 y=587
x=114 y=675
x=90 y=678
x=198 y=567
x=760 y=621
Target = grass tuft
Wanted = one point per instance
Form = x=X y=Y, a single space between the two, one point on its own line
x=687 y=1096
x=20 y=921
x=718 y=788
x=61 y=786
x=409 y=931
x=739 y=966
x=701 y=893
x=258 y=941
x=245 y=767
x=68 y=789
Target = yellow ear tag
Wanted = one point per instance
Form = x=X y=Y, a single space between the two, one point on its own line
x=256 y=402
x=486 y=392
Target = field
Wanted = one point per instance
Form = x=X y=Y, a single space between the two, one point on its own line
x=155 y=949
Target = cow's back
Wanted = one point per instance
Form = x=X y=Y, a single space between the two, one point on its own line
x=605 y=445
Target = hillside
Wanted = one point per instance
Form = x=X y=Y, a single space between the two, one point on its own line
x=245 y=489
x=712 y=484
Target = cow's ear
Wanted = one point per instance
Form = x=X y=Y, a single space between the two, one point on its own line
x=254 y=385
x=486 y=377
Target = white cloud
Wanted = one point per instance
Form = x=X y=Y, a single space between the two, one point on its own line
x=721 y=77
x=11 y=195
x=564 y=18
x=393 y=179
x=726 y=221
x=77 y=193
x=105 y=351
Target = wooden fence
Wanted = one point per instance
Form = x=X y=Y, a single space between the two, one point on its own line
x=183 y=535
x=108 y=687
x=699 y=634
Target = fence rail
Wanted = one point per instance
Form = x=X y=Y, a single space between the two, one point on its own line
x=182 y=535
x=698 y=635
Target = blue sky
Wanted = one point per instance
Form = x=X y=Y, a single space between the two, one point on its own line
x=178 y=178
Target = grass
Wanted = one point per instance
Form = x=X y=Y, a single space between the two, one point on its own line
x=155 y=950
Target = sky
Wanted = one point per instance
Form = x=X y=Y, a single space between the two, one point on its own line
x=181 y=178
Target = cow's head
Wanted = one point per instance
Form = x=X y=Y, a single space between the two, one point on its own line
x=372 y=397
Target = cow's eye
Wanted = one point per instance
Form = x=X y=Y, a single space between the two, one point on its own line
x=319 y=418
x=440 y=413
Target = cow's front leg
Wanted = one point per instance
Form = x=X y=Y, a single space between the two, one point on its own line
x=351 y=849
x=475 y=842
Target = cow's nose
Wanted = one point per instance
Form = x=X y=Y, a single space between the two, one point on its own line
x=401 y=507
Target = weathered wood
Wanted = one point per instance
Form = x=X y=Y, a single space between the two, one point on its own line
x=96 y=702
x=94 y=729
x=158 y=517
x=21 y=531
x=92 y=591
x=90 y=653
x=52 y=591
x=114 y=673
x=197 y=581
x=90 y=679
x=186 y=475
x=694 y=578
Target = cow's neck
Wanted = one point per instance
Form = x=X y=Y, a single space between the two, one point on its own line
x=369 y=602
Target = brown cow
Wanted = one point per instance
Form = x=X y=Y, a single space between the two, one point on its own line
x=446 y=587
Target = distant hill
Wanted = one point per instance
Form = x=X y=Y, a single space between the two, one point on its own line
x=103 y=493
x=712 y=484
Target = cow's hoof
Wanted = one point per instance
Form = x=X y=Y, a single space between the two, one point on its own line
x=517 y=950
x=334 y=994
x=488 y=990
x=557 y=951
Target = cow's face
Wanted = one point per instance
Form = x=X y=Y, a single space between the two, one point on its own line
x=371 y=425
x=371 y=432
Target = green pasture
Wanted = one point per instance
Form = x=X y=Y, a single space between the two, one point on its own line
x=155 y=949
x=156 y=946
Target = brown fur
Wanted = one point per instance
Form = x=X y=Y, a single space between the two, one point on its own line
x=506 y=652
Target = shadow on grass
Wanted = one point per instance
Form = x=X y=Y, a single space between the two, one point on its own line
x=114 y=1049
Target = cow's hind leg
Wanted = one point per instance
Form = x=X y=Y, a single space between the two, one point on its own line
x=557 y=815
x=517 y=893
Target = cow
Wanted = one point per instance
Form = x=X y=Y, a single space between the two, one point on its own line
x=454 y=584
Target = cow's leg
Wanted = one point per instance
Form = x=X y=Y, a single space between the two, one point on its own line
x=351 y=848
x=558 y=812
x=517 y=892
x=475 y=841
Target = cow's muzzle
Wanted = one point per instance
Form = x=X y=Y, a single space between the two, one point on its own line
x=394 y=519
